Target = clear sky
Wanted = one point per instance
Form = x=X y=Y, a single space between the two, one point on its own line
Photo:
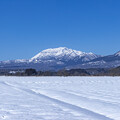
x=29 y=26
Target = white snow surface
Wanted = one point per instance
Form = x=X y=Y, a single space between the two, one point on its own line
x=60 y=98
x=61 y=52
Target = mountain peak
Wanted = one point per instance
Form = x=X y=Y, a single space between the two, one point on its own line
x=55 y=49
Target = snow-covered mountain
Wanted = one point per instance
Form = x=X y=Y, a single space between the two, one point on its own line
x=62 y=57
x=62 y=53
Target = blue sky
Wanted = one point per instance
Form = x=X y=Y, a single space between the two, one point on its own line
x=29 y=26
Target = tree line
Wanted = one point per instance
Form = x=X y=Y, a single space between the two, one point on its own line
x=64 y=72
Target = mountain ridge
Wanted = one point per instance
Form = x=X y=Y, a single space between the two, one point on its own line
x=63 y=58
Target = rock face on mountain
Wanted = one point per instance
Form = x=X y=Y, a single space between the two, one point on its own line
x=63 y=58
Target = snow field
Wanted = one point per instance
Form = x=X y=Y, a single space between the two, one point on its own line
x=60 y=98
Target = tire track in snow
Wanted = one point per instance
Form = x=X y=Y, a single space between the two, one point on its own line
x=70 y=106
x=106 y=108
x=78 y=109
x=93 y=100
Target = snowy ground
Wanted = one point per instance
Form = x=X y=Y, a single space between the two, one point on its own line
x=59 y=98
